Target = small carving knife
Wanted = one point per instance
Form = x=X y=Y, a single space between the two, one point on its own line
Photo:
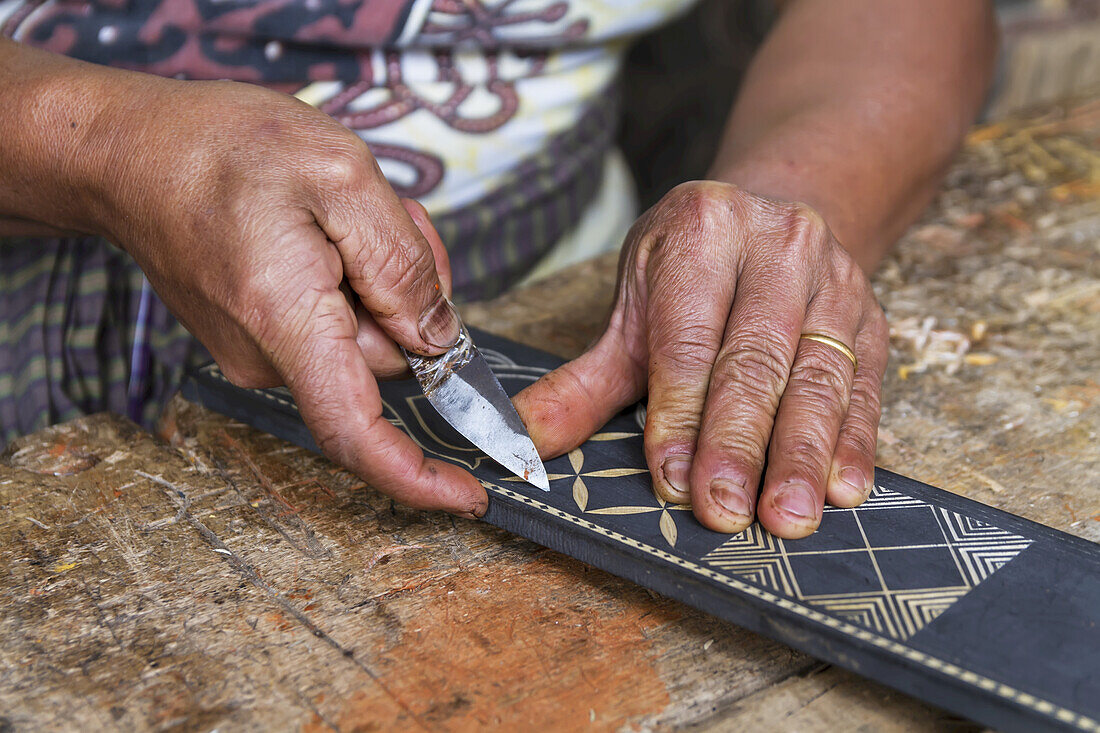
x=463 y=389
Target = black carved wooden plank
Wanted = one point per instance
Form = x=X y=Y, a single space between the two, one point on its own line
x=973 y=609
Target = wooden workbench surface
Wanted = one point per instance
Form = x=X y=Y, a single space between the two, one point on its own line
x=216 y=577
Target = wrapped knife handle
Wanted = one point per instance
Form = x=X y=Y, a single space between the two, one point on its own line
x=432 y=371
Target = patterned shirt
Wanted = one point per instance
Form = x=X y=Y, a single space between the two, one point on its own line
x=495 y=114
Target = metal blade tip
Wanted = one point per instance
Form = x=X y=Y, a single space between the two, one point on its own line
x=538 y=477
x=530 y=467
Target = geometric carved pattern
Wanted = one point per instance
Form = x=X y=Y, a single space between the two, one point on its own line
x=766 y=571
x=754 y=555
x=980 y=562
x=891 y=565
x=982 y=548
x=919 y=608
x=888 y=498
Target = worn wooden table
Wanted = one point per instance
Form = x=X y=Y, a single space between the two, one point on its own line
x=216 y=577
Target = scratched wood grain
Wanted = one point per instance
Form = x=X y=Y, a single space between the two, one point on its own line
x=216 y=577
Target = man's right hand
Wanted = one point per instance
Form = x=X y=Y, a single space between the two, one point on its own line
x=268 y=230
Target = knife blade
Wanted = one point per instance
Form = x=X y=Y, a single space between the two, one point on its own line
x=466 y=393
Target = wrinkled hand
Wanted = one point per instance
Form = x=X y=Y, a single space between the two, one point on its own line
x=716 y=285
x=269 y=231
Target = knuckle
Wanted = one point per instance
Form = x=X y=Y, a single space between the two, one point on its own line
x=878 y=357
x=690 y=354
x=342 y=445
x=860 y=429
x=739 y=446
x=331 y=319
x=709 y=203
x=820 y=383
x=402 y=269
x=861 y=441
x=661 y=438
x=878 y=321
x=668 y=420
x=849 y=275
x=669 y=426
x=685 y=361
x=796 y=233
x=805 y=224
x=346 y=166
x=759 y=366
x=866 y=403
x=806 y=448
x=671 y=419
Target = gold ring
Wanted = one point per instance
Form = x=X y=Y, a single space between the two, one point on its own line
x=836 y=344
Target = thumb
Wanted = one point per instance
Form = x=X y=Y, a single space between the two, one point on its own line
x=567 y=406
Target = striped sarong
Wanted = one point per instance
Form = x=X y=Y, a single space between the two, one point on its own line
x=68 y=320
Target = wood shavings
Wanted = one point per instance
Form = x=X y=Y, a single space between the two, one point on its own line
x=1072 y=295
x=928 y=346
x=1054 y=155
x=385 y=553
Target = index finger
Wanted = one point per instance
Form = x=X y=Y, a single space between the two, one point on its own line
x=339 y=400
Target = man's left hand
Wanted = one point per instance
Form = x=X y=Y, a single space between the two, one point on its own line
x=716 y=288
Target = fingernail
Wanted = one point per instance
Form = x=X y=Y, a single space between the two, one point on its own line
x=677 y=472
x=797 y=500
x=439 y=324
x=731 y=497
x=855 y=480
